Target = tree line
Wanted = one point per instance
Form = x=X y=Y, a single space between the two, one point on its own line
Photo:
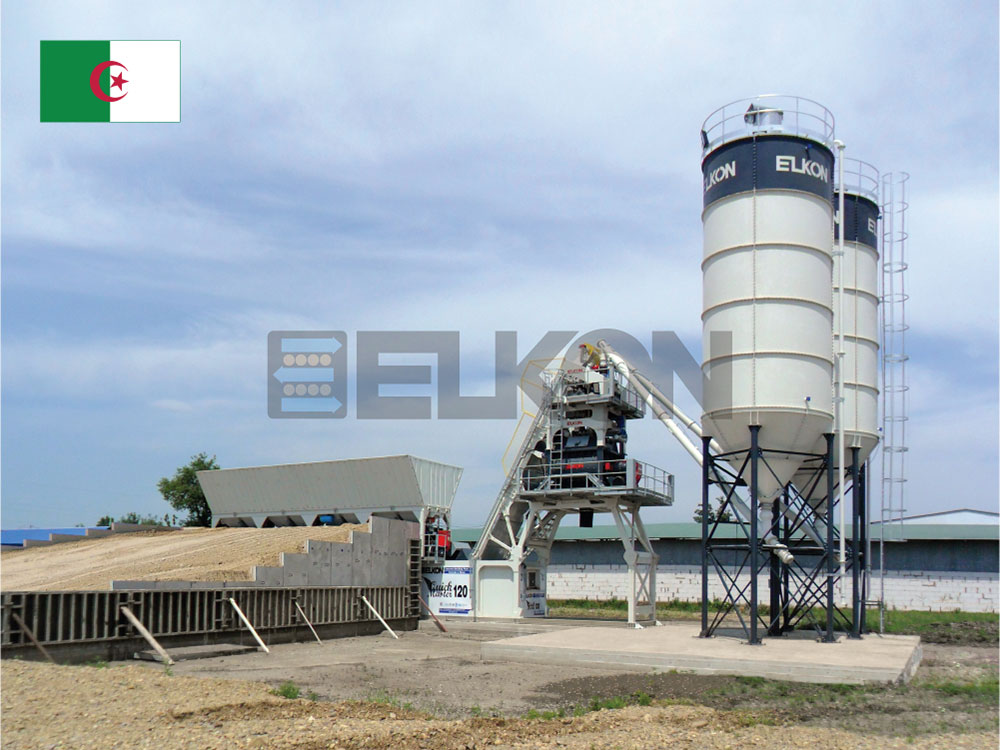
x=182 y=492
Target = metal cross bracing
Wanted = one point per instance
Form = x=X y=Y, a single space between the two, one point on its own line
x=799 y=546
x=797 y=551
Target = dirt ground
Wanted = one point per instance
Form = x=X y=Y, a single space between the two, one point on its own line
x=432 y=690
x=189 y=554
x=47 y=706
x=443 y=674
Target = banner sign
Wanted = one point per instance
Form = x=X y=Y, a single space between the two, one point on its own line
x=448 y=588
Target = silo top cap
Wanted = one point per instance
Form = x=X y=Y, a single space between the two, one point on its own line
x=760 y=117
x=768 y=114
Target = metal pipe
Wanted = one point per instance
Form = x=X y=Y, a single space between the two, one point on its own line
x=754 y=542
x=164 y=656
x=856 y=599
x=380 y=618
x=653 y=394
x=31 y=637
x=662 y=398
x=841 y=355
x=663 y=415
x=246 y=622
x=437 y=622
x=828 y=637
x=301 y=612
x=705 y=465
x=774 y=579
x=866 y=543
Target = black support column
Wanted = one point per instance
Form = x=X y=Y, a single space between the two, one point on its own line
x=857 y=613
x=831 y=567
x=706 y=465
x=774 y=580
x=754 y=533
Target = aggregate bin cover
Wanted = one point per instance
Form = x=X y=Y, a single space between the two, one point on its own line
x=387 y=483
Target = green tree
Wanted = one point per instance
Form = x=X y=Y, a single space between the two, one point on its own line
x=713 y=513
x=133 y=517
x=183 y=491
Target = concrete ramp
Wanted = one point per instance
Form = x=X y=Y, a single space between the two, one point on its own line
x=797 y=658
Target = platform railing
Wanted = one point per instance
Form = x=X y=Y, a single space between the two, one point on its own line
x=768 y=114
x=590 y=475
x=612 y=385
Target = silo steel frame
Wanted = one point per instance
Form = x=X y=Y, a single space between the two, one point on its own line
x=805 y=583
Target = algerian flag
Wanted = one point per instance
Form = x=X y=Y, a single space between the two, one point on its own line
x=131 y=81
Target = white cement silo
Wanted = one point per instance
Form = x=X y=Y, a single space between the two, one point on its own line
x=767 y=276
x=859 y=369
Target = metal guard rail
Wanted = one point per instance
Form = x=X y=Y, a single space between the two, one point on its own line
x=616 y=386
x=598 y=476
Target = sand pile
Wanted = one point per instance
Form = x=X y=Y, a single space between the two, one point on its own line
x=188 y=555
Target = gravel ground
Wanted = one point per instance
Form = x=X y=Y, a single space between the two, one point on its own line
x=444 y=675
x=189 y=555
x=48 y=706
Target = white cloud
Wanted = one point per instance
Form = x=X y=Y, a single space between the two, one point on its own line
x=170 y=404
x=446 y=166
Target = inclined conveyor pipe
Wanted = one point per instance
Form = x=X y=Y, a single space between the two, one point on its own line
x=665 y=410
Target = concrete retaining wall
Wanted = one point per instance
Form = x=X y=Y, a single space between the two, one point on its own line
x=378 y=558
x=921 y=590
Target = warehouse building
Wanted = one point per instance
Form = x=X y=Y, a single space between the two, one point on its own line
x=929 y=565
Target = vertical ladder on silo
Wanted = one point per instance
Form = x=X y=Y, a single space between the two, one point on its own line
x=895 y=389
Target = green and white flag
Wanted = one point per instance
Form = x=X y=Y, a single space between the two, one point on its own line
x=127 y=81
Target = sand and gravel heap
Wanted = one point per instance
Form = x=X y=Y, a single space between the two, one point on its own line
x=187 y=555
x=47 y=706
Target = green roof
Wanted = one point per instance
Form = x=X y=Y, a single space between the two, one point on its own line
x=692 y=530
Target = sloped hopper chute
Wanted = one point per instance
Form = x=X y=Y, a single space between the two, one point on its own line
x=348 y=490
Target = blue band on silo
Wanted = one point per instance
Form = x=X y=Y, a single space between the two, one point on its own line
x=860 y=219
x=768 y=162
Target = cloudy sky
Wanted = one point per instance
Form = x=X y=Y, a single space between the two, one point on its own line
x=446 y=166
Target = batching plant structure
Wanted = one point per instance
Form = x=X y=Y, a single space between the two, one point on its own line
x=572 y=461
x=769 y=357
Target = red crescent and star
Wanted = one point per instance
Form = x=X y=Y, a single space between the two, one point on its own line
x=116 y=81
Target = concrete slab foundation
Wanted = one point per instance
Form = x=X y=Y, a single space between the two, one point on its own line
x=890 y=658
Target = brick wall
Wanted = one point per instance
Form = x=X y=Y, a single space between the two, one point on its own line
x=923 y=590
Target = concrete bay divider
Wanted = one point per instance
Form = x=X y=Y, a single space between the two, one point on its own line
x=380 y=557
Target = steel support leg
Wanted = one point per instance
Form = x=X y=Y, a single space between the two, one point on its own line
x=786 y=600
x=831 y=567
x=865 y=551
x=706 y=463
x=857 y=606
x=774 y=580
x=754 y=540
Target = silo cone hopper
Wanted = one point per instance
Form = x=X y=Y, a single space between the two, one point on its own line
x=782 y=460
x=810 y=479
